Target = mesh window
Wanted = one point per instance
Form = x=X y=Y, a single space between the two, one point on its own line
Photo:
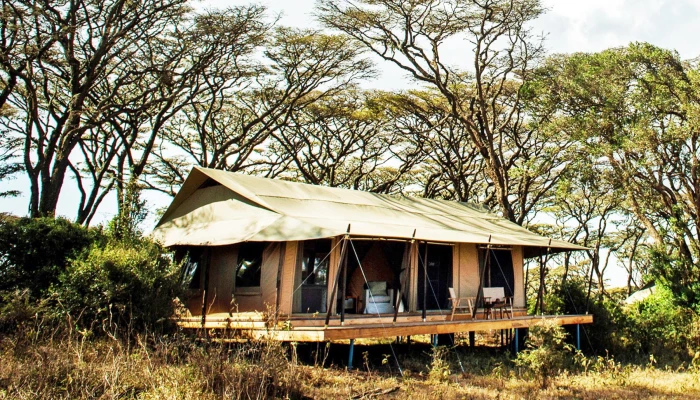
x=249 y=264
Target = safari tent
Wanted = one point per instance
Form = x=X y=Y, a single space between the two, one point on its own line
x=309 y=263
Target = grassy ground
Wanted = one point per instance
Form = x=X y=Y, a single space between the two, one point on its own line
x=179 y=368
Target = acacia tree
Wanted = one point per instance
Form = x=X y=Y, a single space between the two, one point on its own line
x=636 y=108
x=227 y=129
x=22 y=43
x=345 y=140
x=450 y=168
x=202 y=56
x=130 y=67
x=588 y=210
x=486 y=99
x=9 y=165
x=75 y=47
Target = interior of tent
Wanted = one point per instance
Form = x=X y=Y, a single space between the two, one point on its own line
x=377 y=276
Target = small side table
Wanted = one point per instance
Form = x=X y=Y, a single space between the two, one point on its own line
x=351 y=303
x=488 y=308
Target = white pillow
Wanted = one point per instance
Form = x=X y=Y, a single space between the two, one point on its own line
x=377 y=287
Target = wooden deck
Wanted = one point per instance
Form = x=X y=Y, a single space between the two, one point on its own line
x=310 y=328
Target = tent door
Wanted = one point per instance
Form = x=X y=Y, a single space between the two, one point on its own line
x=314 y=275
x=439 y=276
x=500 y=272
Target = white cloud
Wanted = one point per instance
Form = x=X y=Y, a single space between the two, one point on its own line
x=595 y=25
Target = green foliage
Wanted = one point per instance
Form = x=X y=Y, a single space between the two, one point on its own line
x=658 y=326
x=571 y=297
x=132 y=212
x=17 y=309
x=439 y=366
x=120 y=287
x=680 y=274
x=547 y=352
x=34 y=252
x=634 y=111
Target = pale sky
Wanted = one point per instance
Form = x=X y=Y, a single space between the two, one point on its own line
x=569 y=25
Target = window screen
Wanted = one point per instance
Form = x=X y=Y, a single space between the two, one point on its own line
x=249 y=264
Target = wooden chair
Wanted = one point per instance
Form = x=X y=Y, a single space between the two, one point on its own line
x=460 y=302
x=495 y=298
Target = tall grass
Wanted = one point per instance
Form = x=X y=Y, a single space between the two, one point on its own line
x=45 y=363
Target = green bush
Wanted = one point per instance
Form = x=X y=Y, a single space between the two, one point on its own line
x=658 y=326
x=122 y=287
x=571 y=297
x=34 y=252
x=547 y=352
x=679 y=273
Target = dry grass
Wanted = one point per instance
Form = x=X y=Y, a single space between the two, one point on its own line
x=178 y=368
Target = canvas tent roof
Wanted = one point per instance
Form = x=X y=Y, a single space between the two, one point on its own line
x=216 y=207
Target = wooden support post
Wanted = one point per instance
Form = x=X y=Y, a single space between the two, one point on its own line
x=472 y=339
x=351 y=353
x=425 y=282
x=516 y=343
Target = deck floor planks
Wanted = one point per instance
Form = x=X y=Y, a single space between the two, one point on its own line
x=369 y=327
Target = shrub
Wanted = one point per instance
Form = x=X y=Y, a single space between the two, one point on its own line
x=657 y=325
x=258 y=369
x=547 y=352
x=679 y=273
x=121 y=286
x=34 y=252
x=17 y=310
x=439 y=370
x=609 y=318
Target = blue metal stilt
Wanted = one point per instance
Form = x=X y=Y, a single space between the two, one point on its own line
x=516 y=342
x=578 y=337
x=352 y=352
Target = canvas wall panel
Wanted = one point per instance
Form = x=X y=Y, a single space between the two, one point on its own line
x=290 y=279
x=468 y=280
x=518 y=275
x=268 y=276
x=221 y=277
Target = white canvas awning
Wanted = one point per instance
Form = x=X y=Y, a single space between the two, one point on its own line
x=216 y=207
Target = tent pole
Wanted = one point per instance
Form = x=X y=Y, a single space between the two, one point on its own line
x=205 y=295
x=280 y=265
x=480 y=291
x=425 y=282
x=406 y=262
x=330 y=301
x=344 y=271
x=540 y=292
